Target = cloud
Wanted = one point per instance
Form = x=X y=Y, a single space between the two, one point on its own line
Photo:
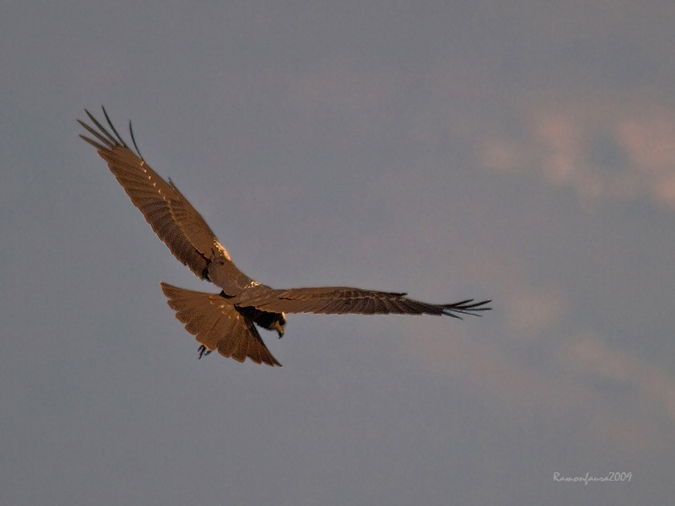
x=602 y=146
x=596 y=390
x=531 y=311
x=591 y=356
x=576 y=382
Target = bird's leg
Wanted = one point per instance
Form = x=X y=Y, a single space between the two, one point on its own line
x=203 y=351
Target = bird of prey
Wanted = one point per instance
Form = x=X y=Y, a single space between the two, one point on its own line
x=226 y=321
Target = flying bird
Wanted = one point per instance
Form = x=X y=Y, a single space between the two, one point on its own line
x=226 y=321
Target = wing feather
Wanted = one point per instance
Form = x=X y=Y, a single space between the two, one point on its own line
x=165 y=208
x=217 y=324
x=343 y=300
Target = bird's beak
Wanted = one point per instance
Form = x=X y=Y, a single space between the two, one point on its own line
x=281 y=333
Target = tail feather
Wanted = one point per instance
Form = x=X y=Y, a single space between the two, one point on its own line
x=218 y=324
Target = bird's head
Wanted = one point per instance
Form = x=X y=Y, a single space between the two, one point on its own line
x=279 y=325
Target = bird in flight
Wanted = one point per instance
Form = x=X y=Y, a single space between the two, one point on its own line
x=226 y=321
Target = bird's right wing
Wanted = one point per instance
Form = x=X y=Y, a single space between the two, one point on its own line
x=167 y=211
x=348 y=300
x=218 y=325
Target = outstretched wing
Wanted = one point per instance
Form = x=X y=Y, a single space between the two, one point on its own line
x=218 y=325
x=167 y=211
x=342 y=300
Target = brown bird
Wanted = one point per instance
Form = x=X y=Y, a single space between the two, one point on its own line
x=227 y=321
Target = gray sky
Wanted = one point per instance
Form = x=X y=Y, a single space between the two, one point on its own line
x=519 y=151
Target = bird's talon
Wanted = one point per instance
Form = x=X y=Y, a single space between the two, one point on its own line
x=203 y=351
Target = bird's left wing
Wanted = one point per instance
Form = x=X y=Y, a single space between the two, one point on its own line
x=343 y=300
x=168 y=212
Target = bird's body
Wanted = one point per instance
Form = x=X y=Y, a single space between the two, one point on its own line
x=227 y=321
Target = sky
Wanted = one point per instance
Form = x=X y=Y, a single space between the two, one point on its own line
x=522 y=151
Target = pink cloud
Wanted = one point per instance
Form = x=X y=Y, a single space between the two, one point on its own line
x=561 y=134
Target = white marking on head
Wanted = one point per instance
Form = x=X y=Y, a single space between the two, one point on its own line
x=279 y=325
